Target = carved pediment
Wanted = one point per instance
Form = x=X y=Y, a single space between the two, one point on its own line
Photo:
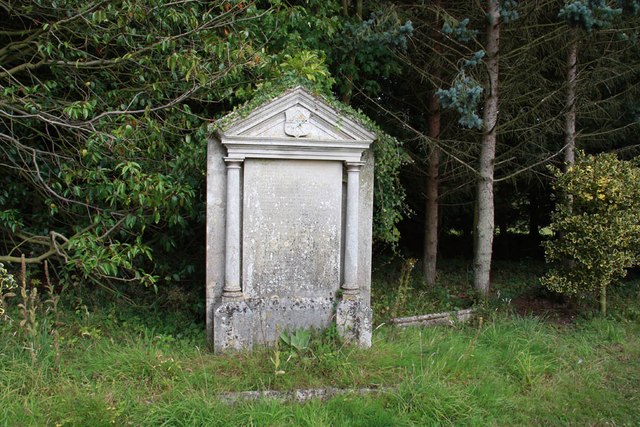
x=298 y=114
x=296 y=125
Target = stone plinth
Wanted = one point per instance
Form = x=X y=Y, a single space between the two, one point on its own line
x=289 y=215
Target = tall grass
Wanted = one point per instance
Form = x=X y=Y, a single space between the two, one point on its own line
x=509 y=371
x=125 y=366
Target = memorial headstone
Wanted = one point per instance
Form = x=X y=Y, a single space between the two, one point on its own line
x=289 y=222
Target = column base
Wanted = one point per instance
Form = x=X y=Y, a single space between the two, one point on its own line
x=349 y=293
x=353 y=321
x=232 y=296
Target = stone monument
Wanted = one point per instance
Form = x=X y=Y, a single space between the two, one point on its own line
x=289 y=222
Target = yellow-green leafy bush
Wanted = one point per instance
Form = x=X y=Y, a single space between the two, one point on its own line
x=597 y=227
x=7 y=287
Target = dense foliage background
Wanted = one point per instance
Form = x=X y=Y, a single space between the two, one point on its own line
x=104 y=117
x=104 y=108
x=507 y=128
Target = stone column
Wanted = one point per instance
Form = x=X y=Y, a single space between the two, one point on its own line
x=216 y=210
x=232 y=289
x=350 y=287
x=233 y=318
x=353 y=315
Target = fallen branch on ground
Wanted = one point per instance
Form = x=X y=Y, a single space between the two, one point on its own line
x=446 y=318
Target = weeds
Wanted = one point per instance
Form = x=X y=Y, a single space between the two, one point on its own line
x=125 y=366
x=38 y=320
x=275 y=360
x=297 y=341
x=404 y=286
x=28 y=308
x=513 y=371
x=407 y=295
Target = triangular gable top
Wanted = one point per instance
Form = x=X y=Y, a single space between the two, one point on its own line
x=295 y=125
x=300 y=115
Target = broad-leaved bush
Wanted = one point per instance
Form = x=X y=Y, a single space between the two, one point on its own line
x=596 y=226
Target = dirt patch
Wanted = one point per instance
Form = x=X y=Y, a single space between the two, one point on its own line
x=552 y=309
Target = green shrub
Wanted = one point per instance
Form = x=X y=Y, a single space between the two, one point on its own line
x=597 y=227
x=7 y=286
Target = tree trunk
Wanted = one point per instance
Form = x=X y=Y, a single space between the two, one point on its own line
x=430 y=252
x=603 y=300
x=431 y=203
x=484 y=224
x=570 y=101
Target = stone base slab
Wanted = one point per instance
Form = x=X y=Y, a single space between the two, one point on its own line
x=239 y=325
x=299 y=395
x=254 y=321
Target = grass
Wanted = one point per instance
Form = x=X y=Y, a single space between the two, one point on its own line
x=454 y=289
x=125 y=366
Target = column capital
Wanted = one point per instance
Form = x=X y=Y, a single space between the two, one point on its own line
x=233 y=162
x=354 y=166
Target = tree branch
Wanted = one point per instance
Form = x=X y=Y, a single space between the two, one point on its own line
x=21 y=67
x=54 y=249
